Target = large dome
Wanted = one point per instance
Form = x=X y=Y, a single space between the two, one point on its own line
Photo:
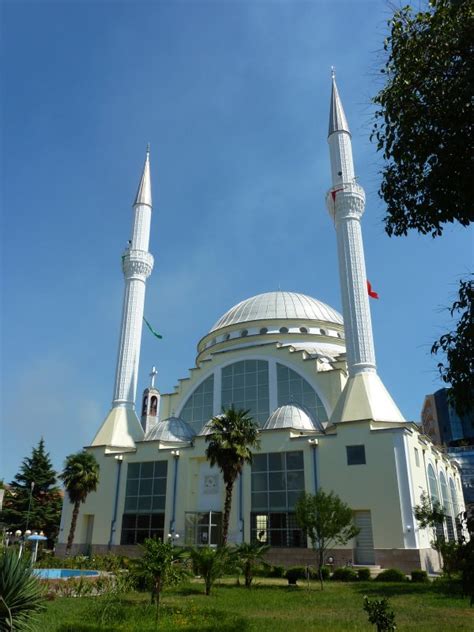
x=278 y=305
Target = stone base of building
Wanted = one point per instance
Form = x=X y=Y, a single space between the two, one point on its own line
x=404 y=559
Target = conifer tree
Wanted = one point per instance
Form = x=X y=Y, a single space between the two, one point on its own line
x=33 y=500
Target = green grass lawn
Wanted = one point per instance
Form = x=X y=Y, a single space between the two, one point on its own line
x=271 y=605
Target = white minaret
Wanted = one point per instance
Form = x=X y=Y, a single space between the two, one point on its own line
x=364 y=396
x=121 y=428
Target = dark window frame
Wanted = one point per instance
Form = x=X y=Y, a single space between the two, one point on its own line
x=356 y=455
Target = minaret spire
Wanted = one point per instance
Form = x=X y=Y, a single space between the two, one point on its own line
x=121 y=428
x=364 y=396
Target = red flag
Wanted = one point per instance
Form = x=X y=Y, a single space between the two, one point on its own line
x=370 y=291
x=333 y=193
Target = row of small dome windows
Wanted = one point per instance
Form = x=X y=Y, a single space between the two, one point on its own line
x=264 y=330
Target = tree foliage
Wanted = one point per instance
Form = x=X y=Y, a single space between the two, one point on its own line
x=423 y=122
x=160 y=565
x=458 y=347
x=423 y=127
x=233 y=436
x=80 y=477
x=21 y=594
x=327 y=521
x=250 y=555
x=211 y=563
x=33 y=499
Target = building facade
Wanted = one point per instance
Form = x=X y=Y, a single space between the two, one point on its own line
x=308 y=376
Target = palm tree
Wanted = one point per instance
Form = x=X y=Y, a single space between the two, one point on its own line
x=251 y=555
x=211 y=563
x=231 y=439
x=80 y=477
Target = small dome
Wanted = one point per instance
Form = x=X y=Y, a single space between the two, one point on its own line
x=170 y=430
x=289 y=416
x=279 y=306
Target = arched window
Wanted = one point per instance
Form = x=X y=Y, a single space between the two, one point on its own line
x=294 y=389
x=454 y=498
x=433 y=484
x=153 y=406
x=145 y=405
x=198 y=409
x=447 y=507
x=245 y=384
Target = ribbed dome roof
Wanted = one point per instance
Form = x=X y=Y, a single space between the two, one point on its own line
x=289 y=416
x=279 y=305
x=170 y=430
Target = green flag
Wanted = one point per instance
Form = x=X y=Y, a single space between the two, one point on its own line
x=155 y=333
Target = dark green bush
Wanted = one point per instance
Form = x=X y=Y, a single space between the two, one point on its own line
x=419 y=576
x=363 y=574
x=294 y=573
x=344 y=574
x=391 y=575
x=276 y=571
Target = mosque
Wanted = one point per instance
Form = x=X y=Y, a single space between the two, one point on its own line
x=309 y=378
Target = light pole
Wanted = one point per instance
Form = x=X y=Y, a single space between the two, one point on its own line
x=32 y=486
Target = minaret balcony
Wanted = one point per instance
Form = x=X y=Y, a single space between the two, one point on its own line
x=137 y=264
x=348 y=197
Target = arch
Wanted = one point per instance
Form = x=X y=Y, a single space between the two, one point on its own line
x=199 y=406
x=154 y=406
x=145 y=406
x=454 y=498
x=293 y=388
x=447 y=507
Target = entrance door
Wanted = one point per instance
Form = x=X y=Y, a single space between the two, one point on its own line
x=364 y=551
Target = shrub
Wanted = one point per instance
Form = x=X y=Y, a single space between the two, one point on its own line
x=380 y=615
x=363 y=574
x=344 y=574
x=391 y=575
x=276 y=571
x=419 y=576
x=294 y=573
x=21 y=594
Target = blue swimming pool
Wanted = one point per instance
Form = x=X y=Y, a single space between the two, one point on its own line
x=63 y=573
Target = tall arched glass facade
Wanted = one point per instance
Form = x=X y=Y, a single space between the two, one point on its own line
x=433 y=485
x=294 y=389
x=199 y=407
x=447 y=507
x=245 y=384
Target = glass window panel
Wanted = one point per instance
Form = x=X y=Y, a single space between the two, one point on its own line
x=128 y=537
x=128 y=521
x=159 y=486
x=156 y=534
x=131 y=503
x=276 y=481
x=293 y=498
x=133 y=470
x=158 y=502
x=294 y=388
x=157 y=521
x=146 y=486
x=294 y=460
x=239 y=367
x=251 y=393
x=259 y=482
x=260 y=500
x=142 y=536
x=132 y=487
x=226 y=380
x=355 y=454
x=295 y=480
x=143 y=522
x=197 y=400
x=161 y=468
x=239 y=381
x=278 y=520
x=259 y=463
x=147 y=470
x=276 y=461
x=144 y=503
x=277 y=500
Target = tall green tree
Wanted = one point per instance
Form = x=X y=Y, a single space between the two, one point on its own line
x=327 y=521
x=33 y=499
x=423 y=128
x=80 y=477
x=233 y=436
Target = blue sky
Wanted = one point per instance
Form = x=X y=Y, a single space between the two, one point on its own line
x=233 y=97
